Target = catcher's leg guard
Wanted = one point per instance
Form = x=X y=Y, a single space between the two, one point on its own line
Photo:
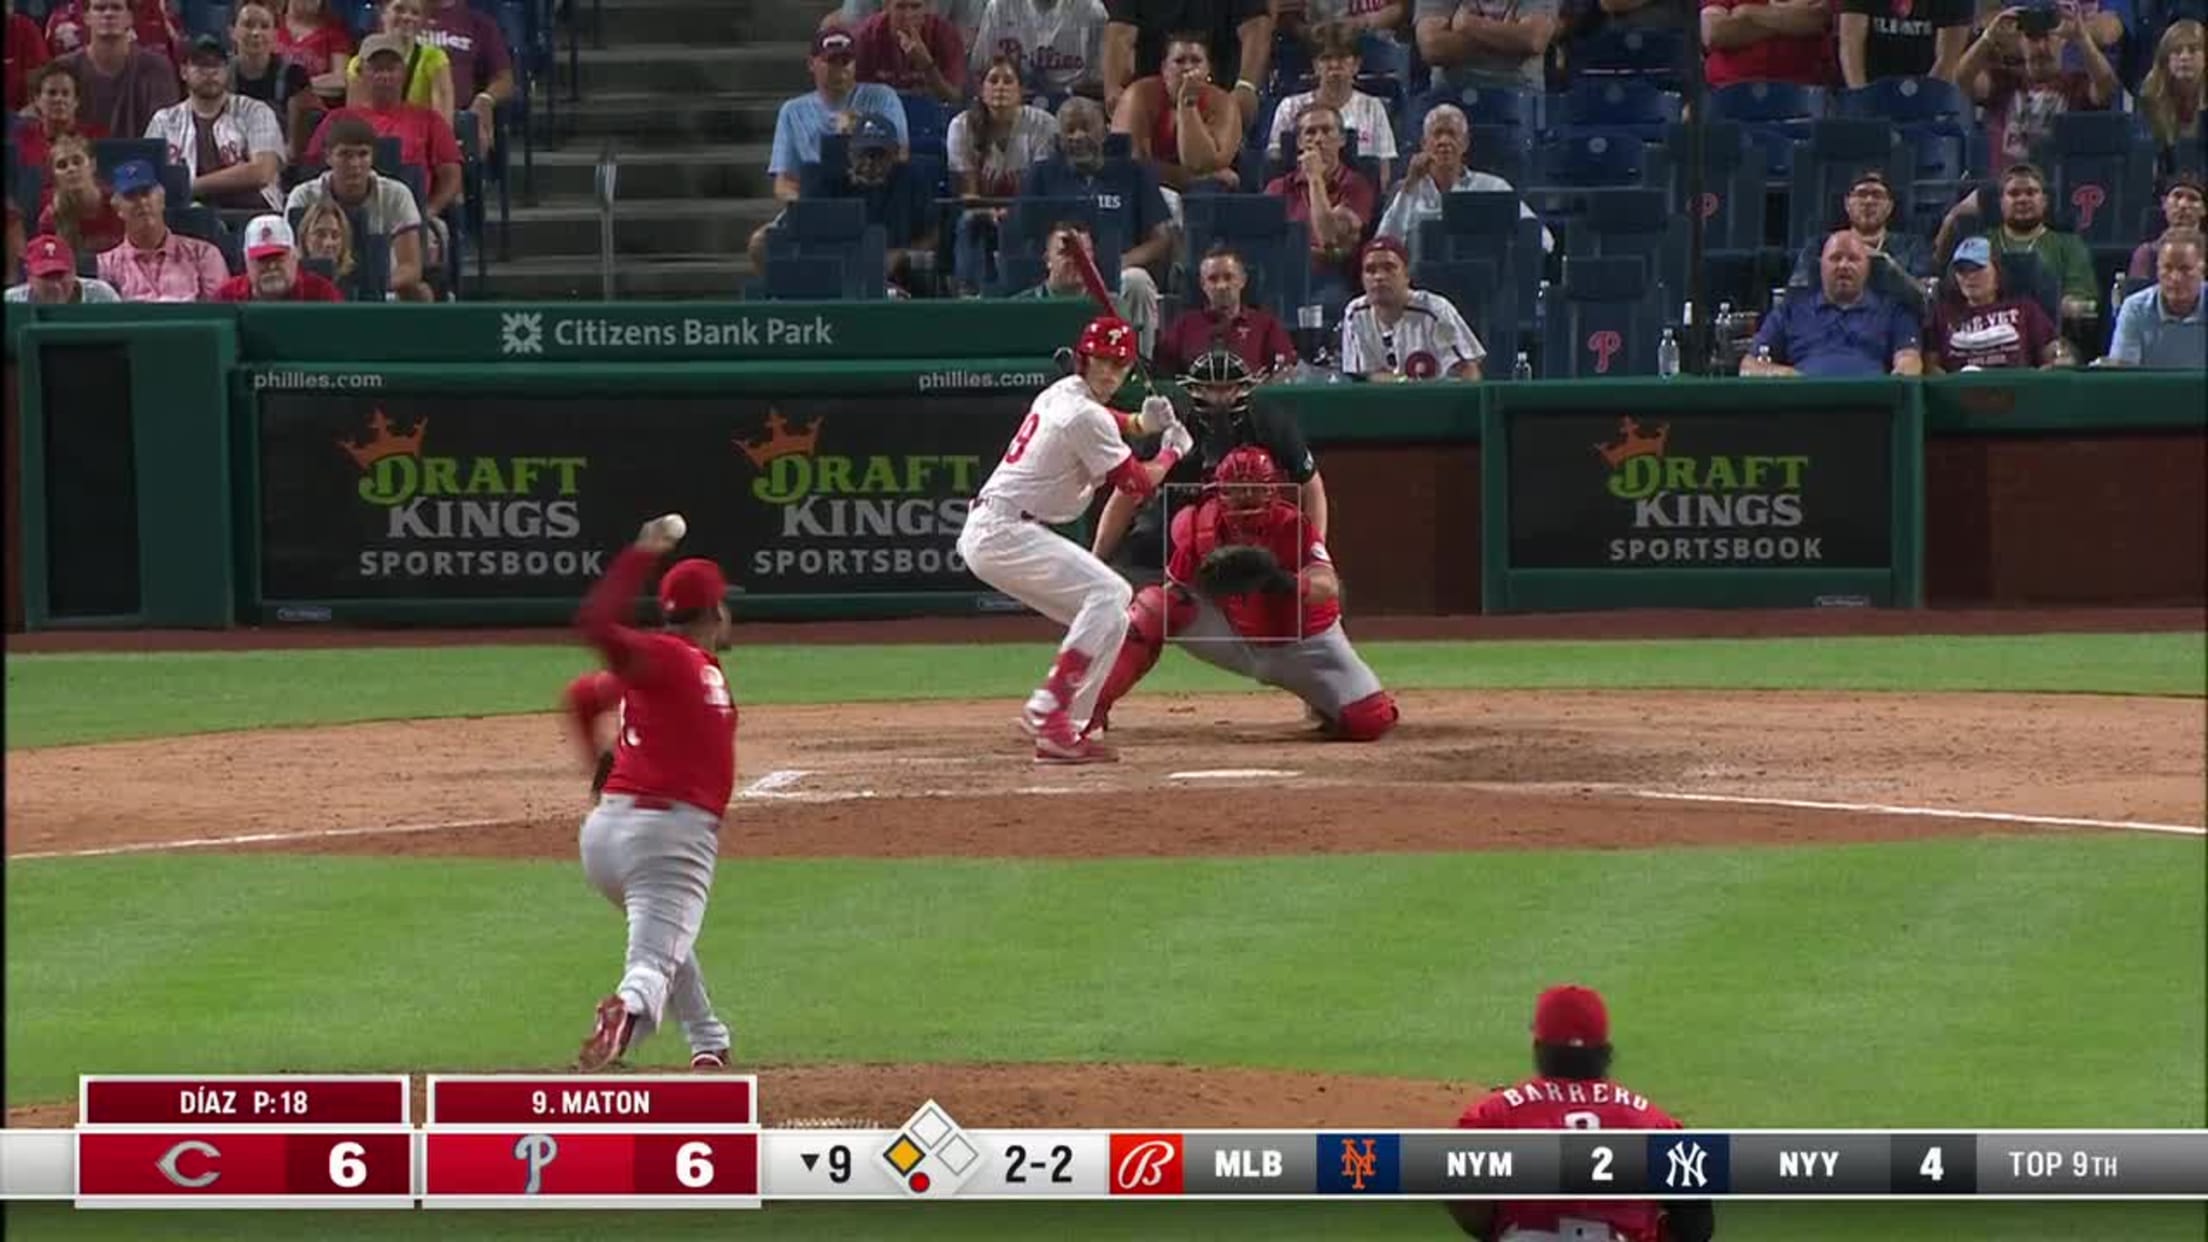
x=1157 y=611
x=1366 y=719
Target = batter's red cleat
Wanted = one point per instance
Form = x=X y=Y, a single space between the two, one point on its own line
x=610 y=1038
x=1079 y=750
x=711 y=1059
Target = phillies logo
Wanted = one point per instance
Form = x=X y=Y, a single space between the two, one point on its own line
x=1421 y=365
x=1009 y=48
x=1710 y=204
x=1604 y=345
x=1146 y=1164
x=2087 y=199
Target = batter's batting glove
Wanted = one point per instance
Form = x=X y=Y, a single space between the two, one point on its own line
x=1240 y=569
x=605 y=769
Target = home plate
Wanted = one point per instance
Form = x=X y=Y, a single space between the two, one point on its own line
x=1229 y=774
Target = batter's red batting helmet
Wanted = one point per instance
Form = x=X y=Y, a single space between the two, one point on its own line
x=694 y=584
x=1109 y=337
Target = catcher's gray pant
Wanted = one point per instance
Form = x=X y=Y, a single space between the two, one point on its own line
x=1322 y=670
x=657 y=865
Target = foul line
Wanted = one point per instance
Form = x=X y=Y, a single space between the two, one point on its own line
x=1933 y=812
x=264 y=838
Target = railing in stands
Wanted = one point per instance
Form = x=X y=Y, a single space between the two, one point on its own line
x=608 y=173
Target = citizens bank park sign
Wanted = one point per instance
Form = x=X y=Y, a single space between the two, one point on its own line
x=404 y=497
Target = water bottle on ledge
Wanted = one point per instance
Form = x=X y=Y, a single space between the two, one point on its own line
x=1667 y=355
x=1523 y=368
x=1318 y=363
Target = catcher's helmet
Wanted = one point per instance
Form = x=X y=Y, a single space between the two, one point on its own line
x=1107 y=336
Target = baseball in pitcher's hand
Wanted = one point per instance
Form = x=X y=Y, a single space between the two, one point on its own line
x=1157 y=413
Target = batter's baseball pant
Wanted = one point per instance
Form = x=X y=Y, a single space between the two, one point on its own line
x=1058 y=578
x=655 y=861
x=1322 y=670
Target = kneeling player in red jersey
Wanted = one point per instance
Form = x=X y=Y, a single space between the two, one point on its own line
x=1274 y=624
x=1572 y=1090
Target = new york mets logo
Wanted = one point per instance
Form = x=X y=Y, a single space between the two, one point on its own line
x=2087 y=199
x=1146 y=1164
x=1358 y=1165
x=1604 y=345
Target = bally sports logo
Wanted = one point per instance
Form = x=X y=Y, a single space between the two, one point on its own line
x=1147 y=1164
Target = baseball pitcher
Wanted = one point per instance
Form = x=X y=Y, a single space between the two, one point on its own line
x=1573 y=1090
x=651 y=844
x=1230 y=600
x=1069 y=443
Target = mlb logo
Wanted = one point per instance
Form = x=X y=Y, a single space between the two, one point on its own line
x=1148 y=1164
x=1360 y=1164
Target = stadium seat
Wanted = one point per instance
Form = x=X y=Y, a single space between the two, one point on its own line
x=1501 y=150
x=805 y=278
x=1586 y=160
x=1604 y=322
x=1614 y=105
x=1933 y=116
x=1655 y=54
x=2100 y=175
x=1776 y=114
x=1482 y=297
x=1636 y=224
x=1490 y=228
x=202 y=222
x=927 y=124
x=1733 y=209
x=2028 y=275
x=110 y=153
x=388 y=151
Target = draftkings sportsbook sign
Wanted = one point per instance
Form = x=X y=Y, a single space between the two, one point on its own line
x=400 y=496
x=1810 y=489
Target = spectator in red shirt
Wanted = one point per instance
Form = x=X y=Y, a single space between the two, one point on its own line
x=1252 y=333
x=1980 y=322
x=53 y=113
x=425 y=138
x=482 y=65
x=1767 y=41
x=1333 y=198
x=1178 y=120
x=151 y=20
x=26 y=51
x=310 y=36
x=907 y=48
x=272 y=269
x=78 y=209
x=2015 y=70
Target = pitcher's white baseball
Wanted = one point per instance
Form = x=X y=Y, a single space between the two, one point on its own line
x=675 y=527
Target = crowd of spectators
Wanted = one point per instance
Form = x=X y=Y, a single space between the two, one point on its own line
x=164 y=162
x=1152 y=125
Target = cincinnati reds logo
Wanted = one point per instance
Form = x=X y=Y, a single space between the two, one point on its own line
x=1710 y=204
x=1421 y=365
x=1146 y=1164
x=2087 y=199
x=169 y=1162
x=1604 y=345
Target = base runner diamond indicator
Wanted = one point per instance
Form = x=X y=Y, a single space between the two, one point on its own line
x=931 y=1155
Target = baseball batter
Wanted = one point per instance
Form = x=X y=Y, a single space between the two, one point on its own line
x=1229 y=600
x=1573 y=1090
x=1069 y=444
x=651 y=844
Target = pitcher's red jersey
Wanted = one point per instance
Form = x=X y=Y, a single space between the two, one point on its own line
x=1572 y=1104
x=1294 y=542
x=678 y=721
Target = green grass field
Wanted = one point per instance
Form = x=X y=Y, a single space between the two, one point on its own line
x=1970 y=983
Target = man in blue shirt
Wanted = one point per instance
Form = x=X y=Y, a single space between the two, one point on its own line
x=2163 y=326
x=836 y=101
x=896 y=199
x=1124 y=191
x=1841 y=328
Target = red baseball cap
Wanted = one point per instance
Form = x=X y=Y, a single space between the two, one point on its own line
x=694 y=583
x=48 y=255
x=1389 y=244
x=1107 y=336
x=1572 y=1016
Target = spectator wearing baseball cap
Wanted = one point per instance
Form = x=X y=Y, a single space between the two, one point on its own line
x=155 y=263
x=232 y=145
x=1394 y=332
x=272 y=269
x=1980 y=322
x=53 y=279
x=1841 y=328
x=1900 y=260
x=2182 y=208
x=427 y=76
x=426 y=141
x=120 y=84
x=833 y=106
x=896 y=199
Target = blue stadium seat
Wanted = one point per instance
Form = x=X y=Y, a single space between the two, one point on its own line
x=805 y=278
x=1275 y=249
x=206 y=225
x=927 y=124
x=1933 y=116
x=1655 y=53
x=1615 y=105
x=110 y=153
x=2101 y=175
x=1776 y=115
x=1491 y=228
x=1592 y=159
x=1501 y=150
x=1636 y=224
x=1734 y=208
x=1604 y=321
x=1485 y=300
x=1482 y=105
x=810 y=221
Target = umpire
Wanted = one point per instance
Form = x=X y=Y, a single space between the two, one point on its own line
x=1221 y=417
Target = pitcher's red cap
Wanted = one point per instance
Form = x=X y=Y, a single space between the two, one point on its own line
x=1572 y=1016
x=692 y=583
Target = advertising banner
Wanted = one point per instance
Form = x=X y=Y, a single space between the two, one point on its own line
x=1602 y=489
x=419 y=497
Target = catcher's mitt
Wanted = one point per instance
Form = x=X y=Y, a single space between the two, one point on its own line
x=605 y=769
x=1241 y=569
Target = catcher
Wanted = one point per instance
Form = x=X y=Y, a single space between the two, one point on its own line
x=1221 y=418
x=1230 y=600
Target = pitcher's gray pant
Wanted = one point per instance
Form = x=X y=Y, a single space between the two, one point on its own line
x=657 y=865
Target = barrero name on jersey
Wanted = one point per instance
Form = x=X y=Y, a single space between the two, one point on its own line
x=1535 y=1091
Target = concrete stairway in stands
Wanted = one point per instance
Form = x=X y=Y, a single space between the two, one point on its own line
x=687 y=92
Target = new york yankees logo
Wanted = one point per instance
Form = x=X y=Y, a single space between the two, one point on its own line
x=1604 y=345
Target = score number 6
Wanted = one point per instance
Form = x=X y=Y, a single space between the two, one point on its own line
x=694 y=1165
x=347 y=1170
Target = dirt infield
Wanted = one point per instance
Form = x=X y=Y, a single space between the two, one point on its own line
x=1213 y=775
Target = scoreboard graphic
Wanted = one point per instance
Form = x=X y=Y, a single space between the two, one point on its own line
x=695 y=1141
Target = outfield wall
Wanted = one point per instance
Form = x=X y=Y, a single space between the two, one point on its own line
x=473 y=464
